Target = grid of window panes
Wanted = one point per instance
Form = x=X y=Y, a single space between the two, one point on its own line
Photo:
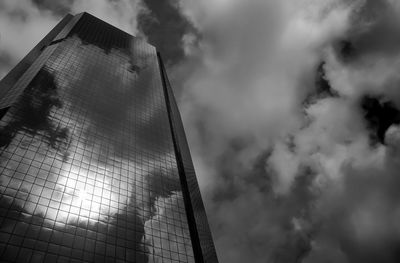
x=206 y=249
x=88 y=169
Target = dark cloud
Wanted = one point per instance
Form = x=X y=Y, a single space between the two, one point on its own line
x=345 y=50
x=321 y=82
x=379 y=115
x=165 y=27
x=322 y=86
x=381 y=36
x=59 y=7
x=32 y=112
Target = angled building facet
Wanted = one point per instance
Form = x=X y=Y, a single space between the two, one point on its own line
x=94 y=162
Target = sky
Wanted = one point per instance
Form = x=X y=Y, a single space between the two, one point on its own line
x=290 y=108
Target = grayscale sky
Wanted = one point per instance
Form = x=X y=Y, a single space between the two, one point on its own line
x=290 y=109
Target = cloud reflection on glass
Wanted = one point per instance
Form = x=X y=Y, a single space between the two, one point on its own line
x=88 y=168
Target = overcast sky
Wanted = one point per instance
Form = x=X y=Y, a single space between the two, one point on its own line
x=290 y=108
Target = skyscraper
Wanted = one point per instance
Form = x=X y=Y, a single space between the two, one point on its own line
x=94 y=160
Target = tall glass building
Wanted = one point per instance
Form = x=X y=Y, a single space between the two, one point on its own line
x=94 y=162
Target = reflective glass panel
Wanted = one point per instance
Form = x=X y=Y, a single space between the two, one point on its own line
x=87 y=161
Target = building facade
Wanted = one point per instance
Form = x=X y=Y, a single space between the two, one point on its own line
x=94 y=162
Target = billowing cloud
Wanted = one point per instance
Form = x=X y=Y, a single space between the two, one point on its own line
x=290 y=109
x=165 y=27
x=160 y=233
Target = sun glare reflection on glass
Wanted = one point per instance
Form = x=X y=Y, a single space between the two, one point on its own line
x=80 y=200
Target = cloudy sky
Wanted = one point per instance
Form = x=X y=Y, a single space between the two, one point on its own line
x=290 y=108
